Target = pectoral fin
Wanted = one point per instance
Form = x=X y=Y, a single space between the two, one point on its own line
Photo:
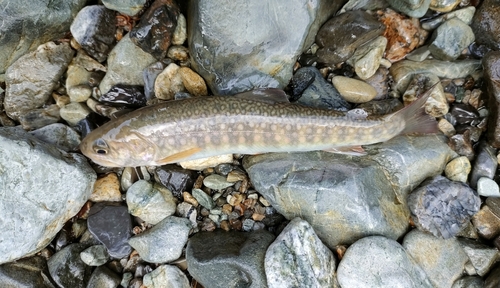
x=180 y=156
x=349 y=150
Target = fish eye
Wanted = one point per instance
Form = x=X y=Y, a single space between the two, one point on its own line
x=100 y=146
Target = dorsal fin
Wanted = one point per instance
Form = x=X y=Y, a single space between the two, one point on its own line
x=267 y=95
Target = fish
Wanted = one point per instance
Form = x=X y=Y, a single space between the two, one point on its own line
x=260 y=121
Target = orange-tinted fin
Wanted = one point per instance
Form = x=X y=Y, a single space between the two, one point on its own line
x=348 y=150
x=178 y=156
x=416 y=120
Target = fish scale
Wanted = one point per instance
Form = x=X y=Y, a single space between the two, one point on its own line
x=200 y=127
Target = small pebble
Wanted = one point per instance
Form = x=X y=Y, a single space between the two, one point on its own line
x=203 y=198
x=193 y=82
x=178 y=53
x=216 y=182
x=187 y=197
x=486 y=223
x=169 y=82
x=487 y=187
x=458 y=169
x=96 y=255
x=446 y=127
x=106 y=188
x=235 y=176
x=354 y=91
x=74 y=112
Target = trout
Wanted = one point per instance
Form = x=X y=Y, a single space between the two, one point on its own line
x=257 y=122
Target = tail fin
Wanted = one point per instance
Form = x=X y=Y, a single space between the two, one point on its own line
x=416 y=120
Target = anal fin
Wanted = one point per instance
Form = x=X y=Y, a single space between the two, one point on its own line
x=180 y=156
x=348 y=150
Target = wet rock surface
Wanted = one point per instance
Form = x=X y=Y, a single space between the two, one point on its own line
x=28 y=89
x=28 y=272
x=46 y=205
x=271 y=60
x=67 y=269
x=236 y=258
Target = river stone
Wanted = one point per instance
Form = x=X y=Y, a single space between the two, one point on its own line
x=403 y=71
x=59 y=135
x=38 y=118
x=96 y=255
x=104 y=277
x=332 y=191
x=74 y=112
x=412 y=8
x=151 y=203
x=487 y=187
x=464 y=14
x=31 y=79
x=486 y=24
x=67 y=269
x=450 y=39
x=180 y=33
x=169 y=82
x=443 y=6
x=469 y=282
x=28 y=272
x=167 y=276
x=242 y=50
x=458 y=169
x=485 y=164
x=364 y=5
x=26 y=24
x=127 y=7
x=297 y=258
x=491 y=65
x=111 y=225
x=126 y=63
x=353 y=90
x=480 y=255
x=386 y=265
x=235 y=259
x=175 y=178
x=43 y=184
x=318 y=93
x=164 y=242
x=366 y=59
x=340 y=36
x=443 y=207
x=442 y=260
x=94 y=29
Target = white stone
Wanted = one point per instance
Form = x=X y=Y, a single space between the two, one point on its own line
x=487 y=187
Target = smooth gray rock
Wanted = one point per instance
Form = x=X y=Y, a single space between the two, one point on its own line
x=203 y=198
x=491 y=64
x=67 y=268
x=377 y=261
x=412 y=8
x=216 y=182
x=31 y=79
x=94 y=29
x=255 y=45
x=319 y=93
x=442 y=260
x=487 y=187
x=41 y=187
x=404 y=70
x=26 y=24
x=103 y=277
x=96 y=255
x=464 y=14
x=346 y=198
x=234 y=259
x=60 y=135
x=126 y=63
x=485 y=164
x=164 y=242
x=450 y=39
x=29 y=273
x=167 y=276
x=128 y=7
x=297 y=258
x=150 y=202
x=480 y=255
x=443 y=207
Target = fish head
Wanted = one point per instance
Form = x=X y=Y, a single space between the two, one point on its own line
x=118 y=148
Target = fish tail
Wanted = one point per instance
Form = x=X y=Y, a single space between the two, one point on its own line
x=415 y=118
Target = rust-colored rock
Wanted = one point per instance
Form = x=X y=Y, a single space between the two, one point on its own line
x=403 y=34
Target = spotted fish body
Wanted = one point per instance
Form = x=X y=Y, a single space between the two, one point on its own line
x=207 y=126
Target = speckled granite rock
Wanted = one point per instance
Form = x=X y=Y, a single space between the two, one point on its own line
x=43 y=184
